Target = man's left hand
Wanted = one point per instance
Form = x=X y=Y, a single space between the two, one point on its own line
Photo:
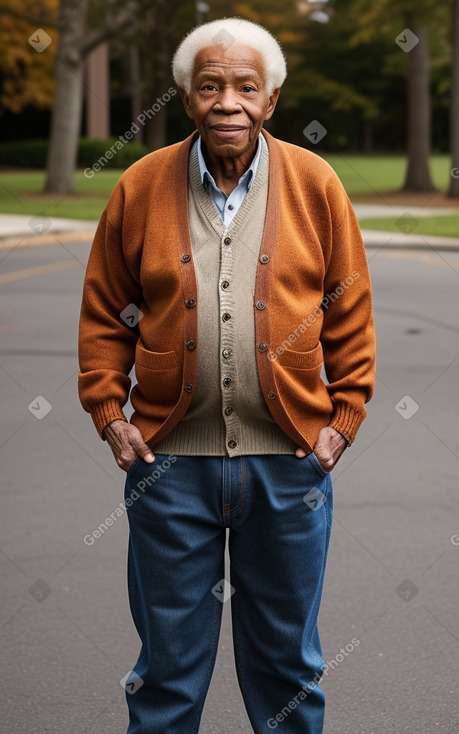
x=328 y=448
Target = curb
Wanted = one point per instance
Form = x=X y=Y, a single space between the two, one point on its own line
x=373 y=239
x=391 y=240
x=56 y=238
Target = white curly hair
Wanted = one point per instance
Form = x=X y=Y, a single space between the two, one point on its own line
x=223 y=33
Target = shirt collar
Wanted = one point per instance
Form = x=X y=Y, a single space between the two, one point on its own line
x=246 y=178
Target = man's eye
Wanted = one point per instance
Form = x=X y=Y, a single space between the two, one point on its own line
x=247 y=88
x=209 y=87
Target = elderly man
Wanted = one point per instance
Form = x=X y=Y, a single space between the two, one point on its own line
x=229 y=269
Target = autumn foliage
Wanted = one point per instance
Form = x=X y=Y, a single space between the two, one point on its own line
x=26 y=76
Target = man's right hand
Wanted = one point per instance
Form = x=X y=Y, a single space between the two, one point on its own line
x=126 y=442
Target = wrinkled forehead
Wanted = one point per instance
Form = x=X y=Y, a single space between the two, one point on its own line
x=237 y=60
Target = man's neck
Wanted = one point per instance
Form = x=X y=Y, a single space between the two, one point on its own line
x=227 y=171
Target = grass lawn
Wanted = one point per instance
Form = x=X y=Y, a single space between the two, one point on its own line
x=21 y=192
x=362 y=174
x=447 y=226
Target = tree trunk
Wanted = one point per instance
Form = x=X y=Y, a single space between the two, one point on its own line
x=97 y=93
x=135 y=89
x=66 y=118
x=157 y=125
x=419 y=113
x=454 y=132
x=367 y=137
x=160 y=68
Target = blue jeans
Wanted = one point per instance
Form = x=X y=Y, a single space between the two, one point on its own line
x=279 y=512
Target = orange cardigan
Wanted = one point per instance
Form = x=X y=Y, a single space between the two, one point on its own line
x=311 y=254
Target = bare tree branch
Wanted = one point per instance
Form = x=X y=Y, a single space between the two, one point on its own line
x=125 y=21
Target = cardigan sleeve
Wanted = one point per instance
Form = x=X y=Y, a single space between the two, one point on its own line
x=348 y=335
x=108 y=329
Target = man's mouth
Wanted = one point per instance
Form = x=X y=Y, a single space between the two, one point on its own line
x=227 y=131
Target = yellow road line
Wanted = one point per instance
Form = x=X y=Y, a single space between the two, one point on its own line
x=40 y=270
x=427 y=258
x=46 y=239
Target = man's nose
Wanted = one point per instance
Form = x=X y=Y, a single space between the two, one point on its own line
x=228 y=101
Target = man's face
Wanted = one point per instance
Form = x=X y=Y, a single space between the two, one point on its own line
x=228 y=100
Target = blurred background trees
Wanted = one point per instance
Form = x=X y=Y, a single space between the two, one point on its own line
x=378 y=76
x=26 y=78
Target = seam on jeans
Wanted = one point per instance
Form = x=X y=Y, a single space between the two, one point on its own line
x=238 y=647
x=316 y=654
x=226 y=492
x=131 y=573
x=218 y=606
x=241 y=501
x=328 y=507
x=142 y=655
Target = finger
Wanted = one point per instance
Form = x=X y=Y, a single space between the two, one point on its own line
x=301 y=453
x=144 y=451
x=124 y=462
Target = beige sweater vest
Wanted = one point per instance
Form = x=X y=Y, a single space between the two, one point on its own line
x=227 y=415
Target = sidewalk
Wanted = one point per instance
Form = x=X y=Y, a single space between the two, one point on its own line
x=371 y=211
x=25 y=231
x=400 y=240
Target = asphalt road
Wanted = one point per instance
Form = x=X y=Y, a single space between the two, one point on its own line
x=66 y=636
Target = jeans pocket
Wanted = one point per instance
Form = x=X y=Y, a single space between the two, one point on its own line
x=133 y=466
x=317 y=465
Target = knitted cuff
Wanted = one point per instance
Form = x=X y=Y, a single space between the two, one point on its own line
x=346 y=420
x=104 y=413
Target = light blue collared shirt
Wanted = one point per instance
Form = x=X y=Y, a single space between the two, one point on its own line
x=228 y=206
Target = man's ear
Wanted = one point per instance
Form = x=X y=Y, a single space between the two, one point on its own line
x=186 y=102
x=272 y=103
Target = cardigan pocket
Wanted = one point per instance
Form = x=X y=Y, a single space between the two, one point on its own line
x=154 y=360
x=304 y=395
x=302 y=360
x=159 y=381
